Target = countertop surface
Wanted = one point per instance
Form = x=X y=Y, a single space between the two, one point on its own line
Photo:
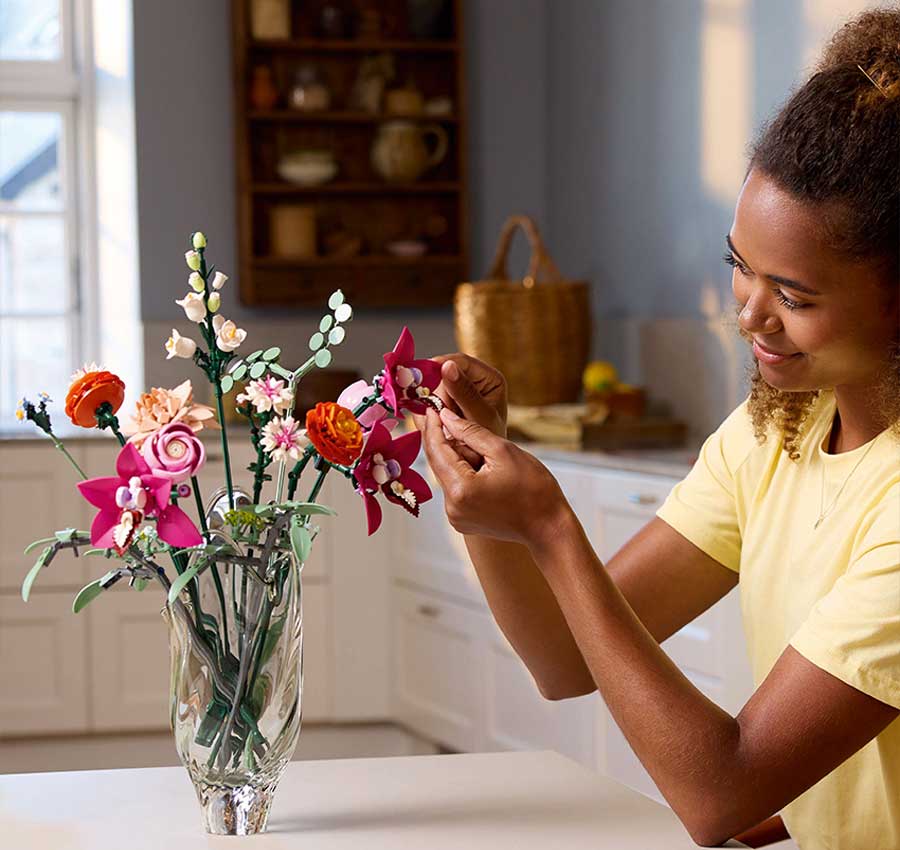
x=675 y=463
x=523 y=800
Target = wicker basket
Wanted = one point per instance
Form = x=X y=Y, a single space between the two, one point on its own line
x=536 y=331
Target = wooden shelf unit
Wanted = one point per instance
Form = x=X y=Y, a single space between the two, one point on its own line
x=358 y=200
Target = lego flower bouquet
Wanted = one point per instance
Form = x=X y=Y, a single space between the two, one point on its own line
x=230 y=561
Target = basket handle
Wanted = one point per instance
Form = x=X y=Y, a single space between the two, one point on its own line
x=540 y=260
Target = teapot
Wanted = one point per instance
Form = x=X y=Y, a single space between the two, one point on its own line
x=400 y=154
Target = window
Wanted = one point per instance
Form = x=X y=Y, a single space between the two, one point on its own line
x=43 y=104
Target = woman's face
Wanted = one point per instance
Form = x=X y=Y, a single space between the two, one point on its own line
x=816 y=318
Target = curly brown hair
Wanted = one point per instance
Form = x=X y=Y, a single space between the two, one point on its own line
x=835 y=144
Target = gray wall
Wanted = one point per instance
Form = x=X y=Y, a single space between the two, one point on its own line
x=643 y=95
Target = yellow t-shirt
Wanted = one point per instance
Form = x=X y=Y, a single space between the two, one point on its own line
x=832 y=592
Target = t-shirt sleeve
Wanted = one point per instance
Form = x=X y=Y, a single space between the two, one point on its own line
x=704 y=506
x=854 y=631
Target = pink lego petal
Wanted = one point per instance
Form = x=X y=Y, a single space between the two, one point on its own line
x=130 y=463
x=373 y=512
x=351 y=396
x=405 y=448
x=405 y=349
x=102 y=528
x=431 y=373
x=174 y=526
x=415 y=482
x=160 y=491
x=378 y=441
x=100 y=492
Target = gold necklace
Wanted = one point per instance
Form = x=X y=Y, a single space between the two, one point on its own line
x=825 y=512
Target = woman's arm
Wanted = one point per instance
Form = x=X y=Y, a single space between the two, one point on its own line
x=666 y=579
x=720 y=774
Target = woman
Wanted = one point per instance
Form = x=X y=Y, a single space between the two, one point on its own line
x=797 y=495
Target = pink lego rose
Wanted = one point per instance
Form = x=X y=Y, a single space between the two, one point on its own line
x=174 y=452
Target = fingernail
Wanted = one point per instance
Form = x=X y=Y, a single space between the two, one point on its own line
x=451 y=370
x=447 y=413
x=447 y=434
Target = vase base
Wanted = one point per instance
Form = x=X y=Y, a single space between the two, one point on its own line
x=241 y=810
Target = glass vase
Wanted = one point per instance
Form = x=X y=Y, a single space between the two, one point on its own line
x=236 y=649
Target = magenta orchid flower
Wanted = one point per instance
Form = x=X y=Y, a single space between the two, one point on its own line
x=350 y=398
x=127 y=498
x=386 y=465
x=407 y=381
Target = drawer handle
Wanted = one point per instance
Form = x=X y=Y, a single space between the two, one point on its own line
x=642 y=499
x=429 y=611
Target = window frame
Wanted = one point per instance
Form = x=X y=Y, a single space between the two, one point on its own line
x=66 y=86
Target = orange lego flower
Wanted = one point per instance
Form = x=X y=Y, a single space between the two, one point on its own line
x=334 y=432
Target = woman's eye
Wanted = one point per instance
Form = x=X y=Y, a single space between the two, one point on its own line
x=783 y=299
x=735 y=263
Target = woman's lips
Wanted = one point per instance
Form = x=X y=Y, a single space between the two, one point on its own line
x=771 y=357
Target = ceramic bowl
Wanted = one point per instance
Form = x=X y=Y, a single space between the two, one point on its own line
x=308 y=169
x=406 y=248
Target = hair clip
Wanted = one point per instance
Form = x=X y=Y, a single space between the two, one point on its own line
x=872 y=80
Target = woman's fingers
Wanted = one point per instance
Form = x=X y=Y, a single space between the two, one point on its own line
x=464 y=393
x=443 y=459
x=471 y=434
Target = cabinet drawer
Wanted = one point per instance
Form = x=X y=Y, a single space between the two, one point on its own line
x=630 y=491
x=614 y=506
x=438 y=681
x=431 y=553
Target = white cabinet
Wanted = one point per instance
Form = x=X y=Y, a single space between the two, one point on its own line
x=430 y=552
x=438 y=681
x=129 y=660
x=43 y=651
x=38 y=497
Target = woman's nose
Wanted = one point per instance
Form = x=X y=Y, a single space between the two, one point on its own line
x=757 y=316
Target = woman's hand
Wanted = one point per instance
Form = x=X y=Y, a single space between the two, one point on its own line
x=510 y=496
x=474 y=390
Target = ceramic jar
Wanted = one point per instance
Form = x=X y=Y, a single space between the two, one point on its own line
x=293 y=231
x=270 y=18
x=263 y=94
x=400 y=153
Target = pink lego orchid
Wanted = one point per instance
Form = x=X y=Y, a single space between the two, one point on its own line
x=407 y=381
x=386 y=465
x=350 y=398
x=125 y=499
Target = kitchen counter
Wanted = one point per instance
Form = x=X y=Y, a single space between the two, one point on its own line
x=526 y=800
x=675 y=463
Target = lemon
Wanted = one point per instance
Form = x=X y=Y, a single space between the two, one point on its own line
x=599 y=376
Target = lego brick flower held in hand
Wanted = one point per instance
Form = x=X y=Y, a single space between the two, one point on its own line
x=407 y=383
x=386 y=465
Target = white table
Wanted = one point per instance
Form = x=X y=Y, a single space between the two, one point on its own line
x=526 y=801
